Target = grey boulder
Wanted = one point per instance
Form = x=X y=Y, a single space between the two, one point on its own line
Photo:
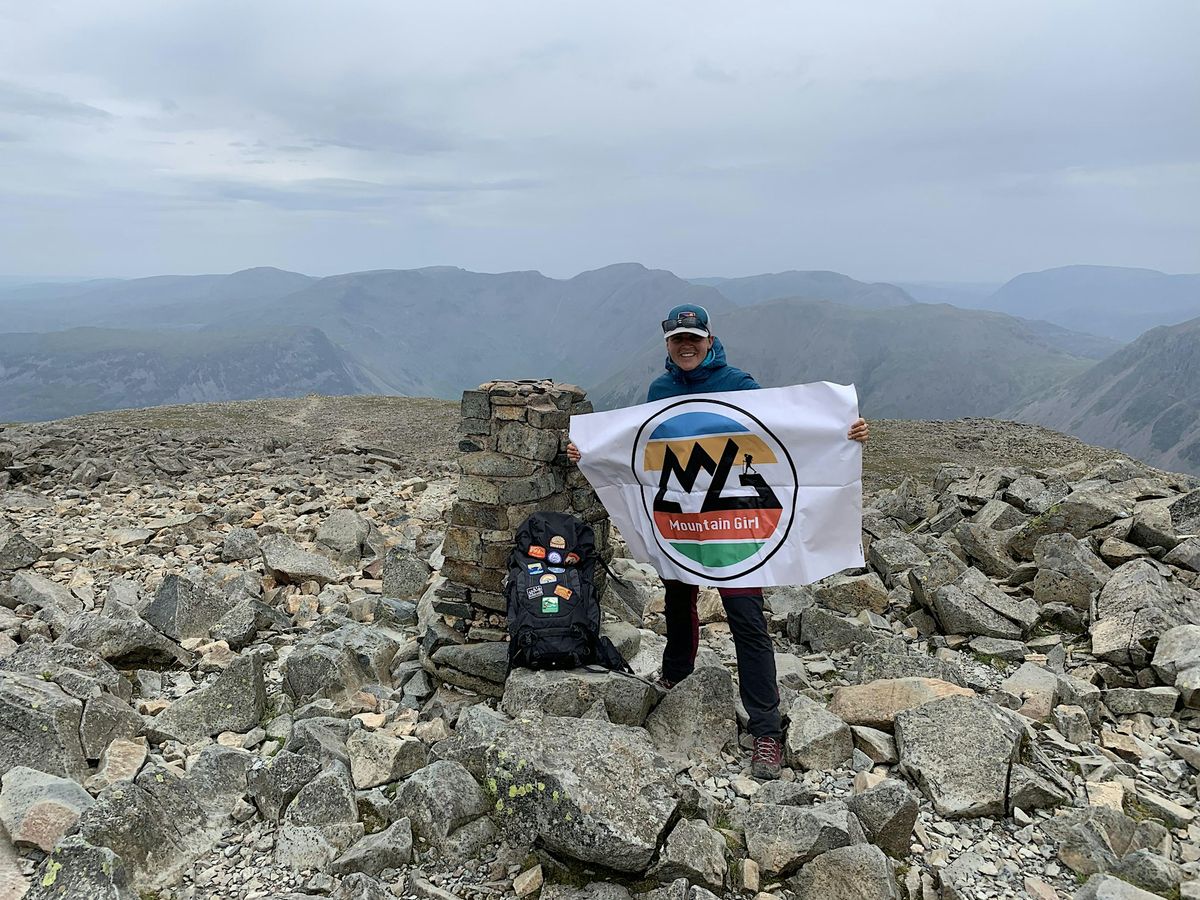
x=572 y=693
x=404 y=574
x=76 y=869
x=959 y=750
x=887 y=813
x=37 y=809
x=858 y=872
x=1136 y=606
x=1109 y=887
x=286 y=562
x=1178 y=650
x=698 y=716
x=972 y=605
x=39 y=727
x=783 y=838
x=816 y=738
x=1068 y=571
x=377 y=757
x=695 y=851
x=439 y=799
x=273 y=783
x=186 y=608
x=328 y=799
x=596 y=792
x=234 y=702
x=388 y=849
x=126 y=642
x=154 y=824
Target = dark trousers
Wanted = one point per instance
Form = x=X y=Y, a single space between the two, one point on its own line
x=751 y=640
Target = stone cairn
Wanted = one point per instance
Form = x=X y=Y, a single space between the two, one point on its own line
x=515 y=464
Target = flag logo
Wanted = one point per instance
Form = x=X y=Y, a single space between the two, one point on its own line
x=718 y=487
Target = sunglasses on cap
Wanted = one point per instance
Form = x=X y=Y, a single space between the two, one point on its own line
x=684 y=320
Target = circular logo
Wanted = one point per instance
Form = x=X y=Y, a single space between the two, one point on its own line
x=718 y=487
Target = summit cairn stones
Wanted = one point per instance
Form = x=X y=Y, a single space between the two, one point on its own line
x=514 y=438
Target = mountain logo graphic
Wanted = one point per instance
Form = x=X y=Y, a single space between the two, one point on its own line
x=718 y=488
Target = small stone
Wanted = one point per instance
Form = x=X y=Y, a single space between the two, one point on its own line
x=528 y=882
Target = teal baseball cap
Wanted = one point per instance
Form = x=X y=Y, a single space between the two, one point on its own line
x=688 y=318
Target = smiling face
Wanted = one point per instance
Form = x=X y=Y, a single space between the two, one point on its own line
x=688 y=350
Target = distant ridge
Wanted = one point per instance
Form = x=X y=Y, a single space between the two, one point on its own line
x=1144 y=400
x=1111 y=301
x=815 y=285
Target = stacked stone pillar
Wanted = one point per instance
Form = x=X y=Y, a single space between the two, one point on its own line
x=515 y=438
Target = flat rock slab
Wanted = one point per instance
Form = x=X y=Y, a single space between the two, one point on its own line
x=286 y=562
x=572 y=693
x=37 y=809
x=585 y=788
x=1109 y=887
x=488 y=660
x=959 y=750
x=877 y=703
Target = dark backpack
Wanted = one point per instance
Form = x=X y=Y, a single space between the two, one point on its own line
x=553 y=610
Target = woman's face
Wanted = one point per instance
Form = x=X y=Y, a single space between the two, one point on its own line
x=688 y=350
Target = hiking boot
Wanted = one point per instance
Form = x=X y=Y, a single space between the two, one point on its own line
x=663 y=685
x=767 y=759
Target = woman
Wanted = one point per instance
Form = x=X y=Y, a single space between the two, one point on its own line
x=696 y=365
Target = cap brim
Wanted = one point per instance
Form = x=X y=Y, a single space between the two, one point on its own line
x=696 y=331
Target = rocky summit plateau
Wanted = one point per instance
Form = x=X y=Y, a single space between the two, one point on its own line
x=245 y=653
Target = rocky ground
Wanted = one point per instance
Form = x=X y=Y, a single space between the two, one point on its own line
x=211 y=627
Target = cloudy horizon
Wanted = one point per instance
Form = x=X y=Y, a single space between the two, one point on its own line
x=929 y=141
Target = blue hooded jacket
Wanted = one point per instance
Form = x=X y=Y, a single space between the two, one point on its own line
x=711 y=376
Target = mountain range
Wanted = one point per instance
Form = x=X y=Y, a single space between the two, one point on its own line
x=1110 y=301
x=74 y=347
x=1144 y=399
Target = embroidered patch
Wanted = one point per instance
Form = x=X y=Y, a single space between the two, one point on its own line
x=572 y=558
x=558 y=541
x=533 y=592
x=557 y=570
x=563 y=591
x=549 y=579
x=549 y=605
x=554 y=557
x=534 y=568
x=537 y=552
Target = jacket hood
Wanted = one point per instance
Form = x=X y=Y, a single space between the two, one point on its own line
x=712 y=363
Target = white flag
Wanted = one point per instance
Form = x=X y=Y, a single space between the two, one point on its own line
x=737 y=489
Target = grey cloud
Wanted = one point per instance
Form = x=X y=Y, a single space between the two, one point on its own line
x=886 y=140
x=24 y=101
x=705 y=70
x=342 y=195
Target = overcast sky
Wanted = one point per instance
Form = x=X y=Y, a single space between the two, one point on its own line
x=952 y=140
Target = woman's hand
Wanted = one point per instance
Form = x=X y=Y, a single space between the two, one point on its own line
x=573 y=452
x=859 y=431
